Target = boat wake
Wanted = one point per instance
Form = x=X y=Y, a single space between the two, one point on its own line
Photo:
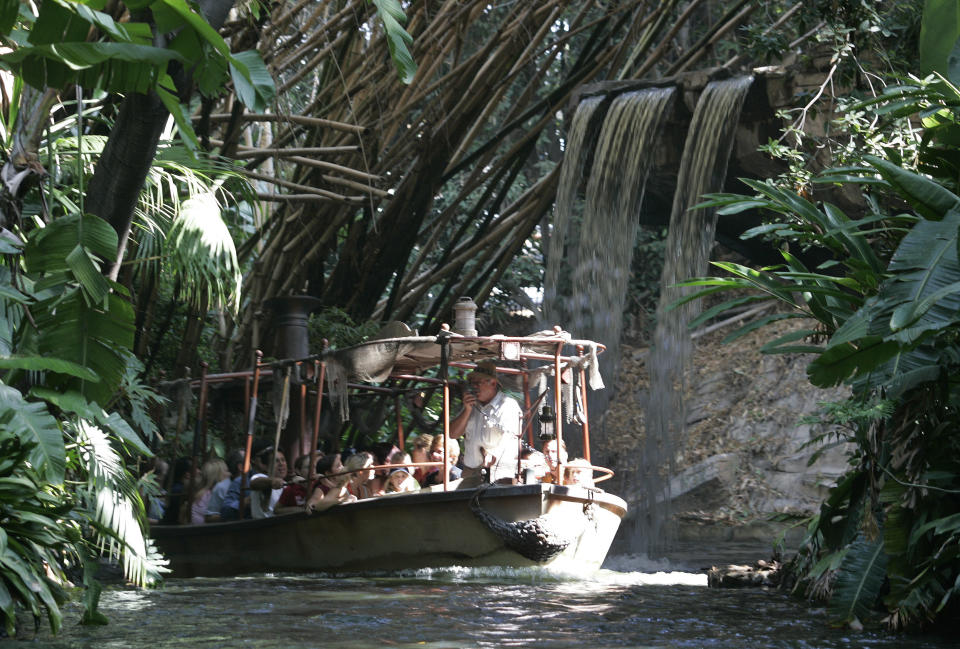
x=622 y=570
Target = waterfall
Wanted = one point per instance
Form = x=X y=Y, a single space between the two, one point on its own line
x=569 y=205
x=600 y=274
x=703 y=169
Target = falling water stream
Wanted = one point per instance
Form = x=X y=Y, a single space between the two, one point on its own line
x=703 y=168
x=597 y=251
x=600 y=246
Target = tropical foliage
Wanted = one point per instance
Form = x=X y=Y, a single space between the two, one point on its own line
x=69 y=382
x=886 y=308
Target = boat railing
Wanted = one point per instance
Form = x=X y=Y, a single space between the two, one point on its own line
x=605 y=473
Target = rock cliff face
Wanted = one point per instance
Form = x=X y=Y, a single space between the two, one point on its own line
x=747 y=454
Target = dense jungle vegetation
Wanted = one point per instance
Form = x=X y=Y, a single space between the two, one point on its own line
x=170 y=165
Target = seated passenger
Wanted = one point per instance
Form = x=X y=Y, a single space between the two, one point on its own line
x=401 y=481
x=176 y=511
x=554 y=457
x=218 y=494
x=154 y=500
x=436 y=455
x=331 y=488
x=358 y=480
x=294 y=494
x=578 y=472
x=265 y=490
x=211 y=473
x=421 y=453
x=382 y=452
x=535 y=461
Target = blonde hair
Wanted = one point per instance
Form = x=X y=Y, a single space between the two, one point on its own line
x=211 y=471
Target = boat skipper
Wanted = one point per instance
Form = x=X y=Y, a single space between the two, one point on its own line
x=490 y=424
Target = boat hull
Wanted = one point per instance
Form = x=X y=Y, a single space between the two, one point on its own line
x=402 y=531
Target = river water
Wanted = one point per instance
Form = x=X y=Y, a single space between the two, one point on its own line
x=632 y=603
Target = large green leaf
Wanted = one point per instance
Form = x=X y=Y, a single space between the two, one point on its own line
x=926 y=273
x=74 y=402
x=199 y=24
x=31 y=422
x=167 y=92
x=47 y=249
x=93 y=336
x=391 y=13
x=87 y=273
x=56 y=23
x=252 y=80
x=859 y=580
x=839 y=362
x=45 y=364
x=117 y=67
x=930 y=199
x=939 y=29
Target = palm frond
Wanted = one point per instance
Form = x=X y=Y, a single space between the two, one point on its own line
x=202 y=252
x=113 y=507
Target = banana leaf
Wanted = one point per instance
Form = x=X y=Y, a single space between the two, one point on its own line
x=930 y=199
x=859 y=581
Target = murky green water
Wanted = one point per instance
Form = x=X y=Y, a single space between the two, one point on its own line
x=460 y=608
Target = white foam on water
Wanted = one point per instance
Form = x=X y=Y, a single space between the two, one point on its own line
x=623 y=570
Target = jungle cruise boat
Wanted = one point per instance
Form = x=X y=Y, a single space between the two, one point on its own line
x=523 y=521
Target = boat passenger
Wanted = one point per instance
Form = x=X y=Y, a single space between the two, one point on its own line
x=534 y=461
x=359 y=482
x=382 y=452
x=436 y=455
x=553 y=450
x=176 y=510
x=218 y=494
x=294 y=494
x=578 y=472
x=212 y=472
x=154 y=503
x=265 y=489
x=490 y=425
x=420 y=452
x=331 y=488
x=401 y=481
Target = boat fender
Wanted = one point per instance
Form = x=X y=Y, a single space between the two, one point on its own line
x=537 y=539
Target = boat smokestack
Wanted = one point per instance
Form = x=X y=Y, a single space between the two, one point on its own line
x=291 y=314
x=465 y=317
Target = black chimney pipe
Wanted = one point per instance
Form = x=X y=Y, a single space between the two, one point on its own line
x=292 y=340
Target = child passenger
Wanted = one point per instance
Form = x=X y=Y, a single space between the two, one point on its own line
x=400 y=481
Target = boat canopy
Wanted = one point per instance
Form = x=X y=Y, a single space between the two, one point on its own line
x=377 y=360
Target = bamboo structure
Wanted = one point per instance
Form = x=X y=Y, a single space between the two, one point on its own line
x=390 y=200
